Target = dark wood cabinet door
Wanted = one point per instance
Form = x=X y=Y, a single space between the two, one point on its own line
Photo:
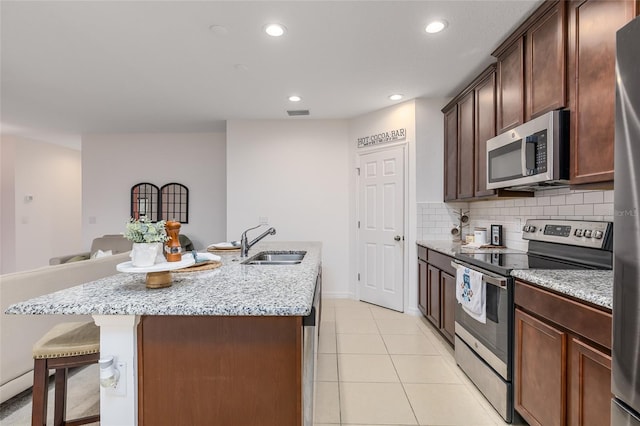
x=448 y=305
x=466 y=136
x=422 y=286
x=433 y=295
x=511 y=87
x=589 y=402
x=545 y=63
x=485 y=126
x=591 y=60
x=539 y=371
x=451 y=154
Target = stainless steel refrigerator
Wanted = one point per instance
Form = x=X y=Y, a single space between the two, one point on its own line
x=625 y=384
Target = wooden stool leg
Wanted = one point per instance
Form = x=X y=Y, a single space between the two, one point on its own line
x=40 y=392
x=60 y=408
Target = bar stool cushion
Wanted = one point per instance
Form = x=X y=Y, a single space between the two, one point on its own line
x=68 y=339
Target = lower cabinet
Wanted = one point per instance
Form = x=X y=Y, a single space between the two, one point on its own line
x=562 y=372
x=437 y=291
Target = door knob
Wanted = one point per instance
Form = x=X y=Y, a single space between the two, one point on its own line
x=397 y=238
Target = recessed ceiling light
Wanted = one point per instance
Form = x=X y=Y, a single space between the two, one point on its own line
x=295 y=98
x=275 y=30
x=436 y=26
x=396 y=97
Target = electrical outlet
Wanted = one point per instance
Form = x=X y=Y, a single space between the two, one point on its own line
x=121 y=386
x=263 y=220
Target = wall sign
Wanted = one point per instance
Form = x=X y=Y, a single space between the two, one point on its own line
x=384 y=137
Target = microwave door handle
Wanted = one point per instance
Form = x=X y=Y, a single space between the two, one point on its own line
x=523 y=156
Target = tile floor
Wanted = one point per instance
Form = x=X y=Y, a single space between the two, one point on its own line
x=381 y=367
x=375 y=367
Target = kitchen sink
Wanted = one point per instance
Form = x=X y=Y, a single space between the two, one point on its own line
x=276 y=258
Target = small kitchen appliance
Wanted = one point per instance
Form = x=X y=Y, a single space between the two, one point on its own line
x=531 y=155
x=484 y=351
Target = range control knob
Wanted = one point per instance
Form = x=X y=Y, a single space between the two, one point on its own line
x=587 y=233
x=532 y=229
x=598 y=235
x=578 y=233
x=525 y=228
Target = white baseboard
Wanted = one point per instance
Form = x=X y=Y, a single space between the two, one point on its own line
x=413 y=311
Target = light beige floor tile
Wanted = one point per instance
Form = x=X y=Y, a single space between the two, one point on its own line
x=360 y=344
x=327 y=327
x=375 y=403
x=446 y=404
x=366 y=368
x=327 y=403
x=424 y=369
x=384 y=313
x=327 y=370
x=359 y=312
x=327 y=343
x=398 y=326
x=356 y=326
x=409 y=344
x=328 y=314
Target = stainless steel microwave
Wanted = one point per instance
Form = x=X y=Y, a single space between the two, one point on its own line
x=534 y=154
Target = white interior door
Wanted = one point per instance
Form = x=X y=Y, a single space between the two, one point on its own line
x=381 y=228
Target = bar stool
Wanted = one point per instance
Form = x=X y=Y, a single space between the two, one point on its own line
x=66 y=345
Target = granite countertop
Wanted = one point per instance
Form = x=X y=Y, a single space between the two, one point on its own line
x=232 y=290
x=591 y=286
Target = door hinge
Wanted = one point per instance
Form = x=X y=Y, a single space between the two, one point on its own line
x=358 y=224
x=358 y=276
x=358 y=170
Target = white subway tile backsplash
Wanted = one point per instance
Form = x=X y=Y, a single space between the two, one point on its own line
x=574 y=198
x=435 y=220
x=567 y=210
x=584 y=209
x=543 y=201
x=593 y=197
x=603 y=209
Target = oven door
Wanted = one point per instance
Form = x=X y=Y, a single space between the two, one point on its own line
x=492 y=340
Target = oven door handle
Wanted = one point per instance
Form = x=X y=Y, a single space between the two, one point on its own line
x=489 y=279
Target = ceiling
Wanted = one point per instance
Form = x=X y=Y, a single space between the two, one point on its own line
x=73 y=67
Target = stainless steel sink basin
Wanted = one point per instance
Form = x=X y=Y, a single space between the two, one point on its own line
x=276 y=258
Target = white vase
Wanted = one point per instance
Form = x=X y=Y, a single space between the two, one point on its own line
x=145 y=254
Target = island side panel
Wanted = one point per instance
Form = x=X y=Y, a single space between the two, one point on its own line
x=220 y=370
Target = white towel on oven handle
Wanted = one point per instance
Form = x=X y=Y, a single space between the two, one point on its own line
x=471 y=293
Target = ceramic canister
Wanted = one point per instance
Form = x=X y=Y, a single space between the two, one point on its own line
x=480 y=235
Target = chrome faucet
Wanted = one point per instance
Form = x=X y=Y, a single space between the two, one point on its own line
x=245 y=245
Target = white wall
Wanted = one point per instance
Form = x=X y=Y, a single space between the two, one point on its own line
x=430 y=149
x=48 y=225
x=295 y=173
x=7 y=205
x=397 y=116
x=113 y=163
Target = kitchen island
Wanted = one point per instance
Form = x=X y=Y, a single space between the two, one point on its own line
x=225 y=346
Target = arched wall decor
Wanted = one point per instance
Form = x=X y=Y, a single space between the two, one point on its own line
x=145 y=201
x=170 y=202
x=174 y=204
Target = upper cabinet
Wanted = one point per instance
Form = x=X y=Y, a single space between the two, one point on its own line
x=591 y=69
x=531 y=67
x=469 y=120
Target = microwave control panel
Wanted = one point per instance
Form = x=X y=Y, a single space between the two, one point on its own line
x=536 y=153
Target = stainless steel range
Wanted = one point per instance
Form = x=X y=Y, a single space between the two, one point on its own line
x=484 y=351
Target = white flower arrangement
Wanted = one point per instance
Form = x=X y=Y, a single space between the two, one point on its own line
x=145 y=231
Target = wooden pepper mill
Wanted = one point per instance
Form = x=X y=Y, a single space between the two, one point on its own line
x=172 y=247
